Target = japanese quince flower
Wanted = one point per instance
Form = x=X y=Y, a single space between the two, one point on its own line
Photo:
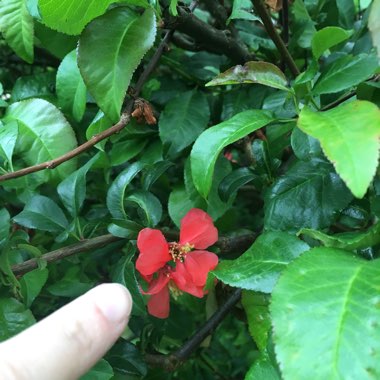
x=177 y=266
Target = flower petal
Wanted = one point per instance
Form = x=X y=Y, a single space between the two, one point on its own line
x=157 y=284
x=198 y=264
x=158 y=304
x=184 y=281
x=197 y=228
x=154 y=251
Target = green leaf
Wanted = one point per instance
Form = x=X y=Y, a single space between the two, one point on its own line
x=16 y=24
x=115 y=195
x=102 y=370
x=262 y=369
x=256 y=307
x=374 y=25
x=241 y=10
x=346 y=240
x=154 y=172
x=260 y=266
x=71 y=90
x=252 y=72
x=234 y=181
x=345 y=72
x=325 y=307
x=32 y=284
x=211 y=142
x=70 y=16
x=124 y=273
x=349 y=136
x=35 y=86
x=328 y=37
x=304 y=146
x=44 y=134
x=347 y=13
x=72 y=190
x=179 y=204
x=123 y=151
x=123 y=39
x=173 y=7
x=14 y=318
x=184 y=118
x=8 y=138
x=149 y=204
x=308 y=195
x=72 y=284
x=42 y=213
x=5 y=225
x=98 y=125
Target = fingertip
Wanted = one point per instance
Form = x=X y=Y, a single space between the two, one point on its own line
x=114 y=301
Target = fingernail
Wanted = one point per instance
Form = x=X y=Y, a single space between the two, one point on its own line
x=114 y=301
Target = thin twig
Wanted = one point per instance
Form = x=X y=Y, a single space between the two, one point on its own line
x=61 y=253
x=174 y=360
x=272 y=32
x=225 y=244
x=338 y=101
x=124 y=120
x=209 y=38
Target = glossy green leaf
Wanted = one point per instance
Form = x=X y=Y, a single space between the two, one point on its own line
x=324 y=308
x=8 y=138
x=242 y=10
x=347 y=12
x=262 y=369
x=44 y=134
x=71 y=90
x=173 y=7
x=326 y=38
x=98 y=125
x=252 y=72
x=16 y=24
x=42 y=213
x=212 y=141
x=304 y=146
x=102 y=370
x=149 y=204
x=256 y=306
x=123 y=39
x=123 y=151
x=234 y=181
x=72 y=190
x=69 y=16
x=345 y=72
x=179 y=204
x=154 y=172
x=260 y=266
x=5 y=225
x=32 y=284
x=184 y=118
x=124 y=273
x=346 y=240
x=349 y=136
x=115 y=195
x=374 y=25
x=39 y=85
x=307 y=196
x=14 y=318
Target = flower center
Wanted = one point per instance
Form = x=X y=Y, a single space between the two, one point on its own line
x=179 y=251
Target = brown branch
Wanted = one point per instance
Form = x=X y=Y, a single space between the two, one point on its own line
x=61 y=253
x=124 y=120
x=125 y=117
x=272 y=32
x=225 y=244
x=174 y=360
x=209 y=38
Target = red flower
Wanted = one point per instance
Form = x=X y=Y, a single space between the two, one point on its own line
x=188 y=270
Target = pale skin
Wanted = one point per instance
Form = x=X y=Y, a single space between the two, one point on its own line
x=66 y=344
